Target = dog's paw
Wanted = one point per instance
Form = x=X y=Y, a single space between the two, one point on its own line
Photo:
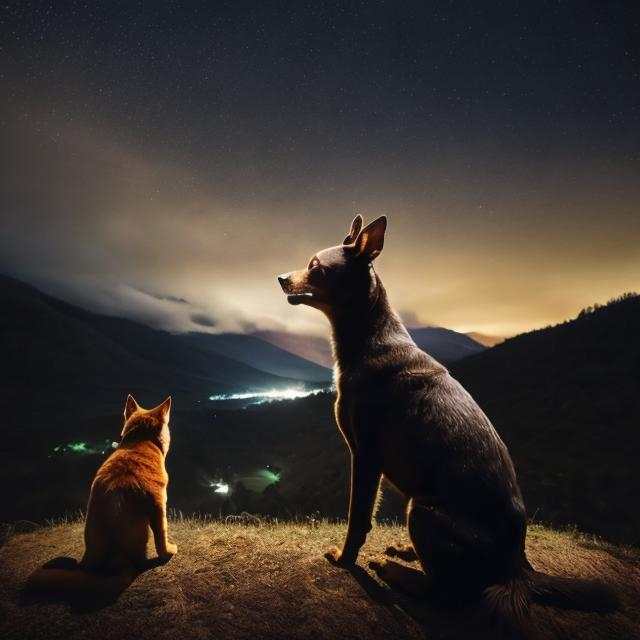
x=335 y=557
x=379 y=568
x=402 y=551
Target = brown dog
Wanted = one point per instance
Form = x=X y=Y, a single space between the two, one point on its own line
x=128 y=497
x=405 y=418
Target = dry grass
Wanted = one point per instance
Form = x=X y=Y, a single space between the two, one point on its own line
x=238 y=580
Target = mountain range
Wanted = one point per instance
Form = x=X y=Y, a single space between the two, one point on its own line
x=52 y=347
x=444 y=345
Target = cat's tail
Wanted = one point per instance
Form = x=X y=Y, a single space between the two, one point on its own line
x=66 y=578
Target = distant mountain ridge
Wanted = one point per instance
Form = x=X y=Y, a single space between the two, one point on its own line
x=314 y=348
x=486 y=340
x=44 y=338
x=444 y=345
x=49 y=347
x=259 y=353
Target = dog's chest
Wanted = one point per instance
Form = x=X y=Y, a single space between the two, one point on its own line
x=347 y=413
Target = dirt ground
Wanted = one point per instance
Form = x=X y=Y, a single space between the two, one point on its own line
x=256 y=580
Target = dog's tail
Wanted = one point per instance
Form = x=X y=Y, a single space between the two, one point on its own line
x=508 y=604
x=571 y=593
x=67 y=578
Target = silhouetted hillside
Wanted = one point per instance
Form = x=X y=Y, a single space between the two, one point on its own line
x=566 y=399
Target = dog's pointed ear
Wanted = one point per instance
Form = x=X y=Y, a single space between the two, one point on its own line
x=130 y=407
x=356 y=225
x=370 y=240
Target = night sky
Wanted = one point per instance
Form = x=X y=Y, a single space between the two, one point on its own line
x=165 y=161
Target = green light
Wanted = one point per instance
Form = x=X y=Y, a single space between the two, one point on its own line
x=269 y=475
x=101 y=447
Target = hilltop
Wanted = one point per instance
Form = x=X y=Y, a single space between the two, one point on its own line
x=260 y=580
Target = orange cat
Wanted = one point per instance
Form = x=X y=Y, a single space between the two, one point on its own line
x=129 y=493
x=128 y=496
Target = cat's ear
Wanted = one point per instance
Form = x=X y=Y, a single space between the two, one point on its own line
x=164 y=409
x=356 y=225
x=130 y=407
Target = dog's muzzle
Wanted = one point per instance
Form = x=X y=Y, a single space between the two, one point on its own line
x=285 y=281
x=294 y=295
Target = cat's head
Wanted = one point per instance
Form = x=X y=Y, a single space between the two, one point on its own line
x=146 y=424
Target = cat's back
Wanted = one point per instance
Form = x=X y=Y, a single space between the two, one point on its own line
x=138 y=467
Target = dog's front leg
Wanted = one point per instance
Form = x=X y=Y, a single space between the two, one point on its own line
x=365 y=479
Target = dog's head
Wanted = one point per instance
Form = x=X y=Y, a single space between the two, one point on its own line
x=338 y=277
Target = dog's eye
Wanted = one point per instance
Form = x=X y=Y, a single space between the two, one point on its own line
x=316 y=274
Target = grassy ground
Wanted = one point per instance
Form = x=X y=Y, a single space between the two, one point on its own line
x=243 y=580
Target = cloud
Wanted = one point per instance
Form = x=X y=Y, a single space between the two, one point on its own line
x=203 y=320
x=168 y=298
